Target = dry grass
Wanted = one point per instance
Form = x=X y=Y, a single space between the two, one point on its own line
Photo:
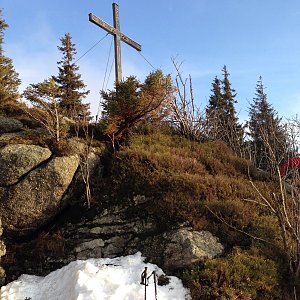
x=189 y=180
x=184 y=178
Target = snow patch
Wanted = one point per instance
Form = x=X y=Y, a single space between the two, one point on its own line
x=94 y=279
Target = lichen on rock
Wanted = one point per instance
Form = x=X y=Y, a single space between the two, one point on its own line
x=18 y=159
x=9 y=125
x=37 y=198
x=185 y=246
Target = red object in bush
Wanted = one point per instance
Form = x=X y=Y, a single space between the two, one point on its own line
x=292 y=163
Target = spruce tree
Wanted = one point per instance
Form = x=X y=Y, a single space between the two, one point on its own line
x=228 y=95
x=214 y=111
x=233 y=130
x=9 y=81
x=221 y=115
x=69 y=81
x=268 y=137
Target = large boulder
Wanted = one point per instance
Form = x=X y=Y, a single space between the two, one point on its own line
x=90 y=166
x=17 y=160
x=185 y=246
x=35 y=199
x=178 y=248
x=9 y=125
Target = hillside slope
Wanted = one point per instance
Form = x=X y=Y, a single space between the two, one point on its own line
x=207 y=187
x=154 y=184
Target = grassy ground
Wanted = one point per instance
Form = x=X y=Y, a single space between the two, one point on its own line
x=206 y=185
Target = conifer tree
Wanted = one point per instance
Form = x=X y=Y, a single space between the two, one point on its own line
x=132 y=102
x=9 y=81
x=234 y=131
x=214 y=111
x=228 y=95
x=69 y=81
x=45 y=108
x=268 y=137
x=221 y=115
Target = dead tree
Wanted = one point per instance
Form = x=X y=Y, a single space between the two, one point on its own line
x=186 y=117
x=82 y=125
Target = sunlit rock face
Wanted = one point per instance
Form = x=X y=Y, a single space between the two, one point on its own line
x=37 y=197
x=18 y=159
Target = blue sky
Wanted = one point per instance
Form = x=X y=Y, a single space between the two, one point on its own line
x=252 y=37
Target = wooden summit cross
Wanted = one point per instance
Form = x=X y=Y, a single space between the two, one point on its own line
x=118 y=37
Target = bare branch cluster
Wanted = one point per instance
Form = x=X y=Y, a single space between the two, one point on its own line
x=84 y=158
x=186 y=117
x=284 y=203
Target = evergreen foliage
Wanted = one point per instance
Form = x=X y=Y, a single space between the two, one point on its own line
x=133 y=101
x=221 y=115
x=69 y=81
x=9 y=81
x=214 y=111
x=45 y=109
x=268 y=136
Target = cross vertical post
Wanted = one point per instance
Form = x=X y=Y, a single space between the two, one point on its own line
x=117 y=40
x=118 y=37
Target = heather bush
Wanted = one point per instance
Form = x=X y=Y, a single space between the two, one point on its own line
x=206 y=185
x=239 y=275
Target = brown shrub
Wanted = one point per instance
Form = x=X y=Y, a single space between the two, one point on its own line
x=13 y=109
x=240 y=275
x=61 y=147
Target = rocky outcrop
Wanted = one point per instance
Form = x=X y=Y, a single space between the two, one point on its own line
x=91 y=167
x=92 y=248
x=37 y=197
x=35 y=187
x=108 y=233
x=9 y=125
x=129 y=229
x=17 y=160
x=178 y=248
x=116 y=231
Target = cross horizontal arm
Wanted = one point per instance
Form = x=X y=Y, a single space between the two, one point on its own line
x=130 y=42
x=114 y=31
x=102 y=24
